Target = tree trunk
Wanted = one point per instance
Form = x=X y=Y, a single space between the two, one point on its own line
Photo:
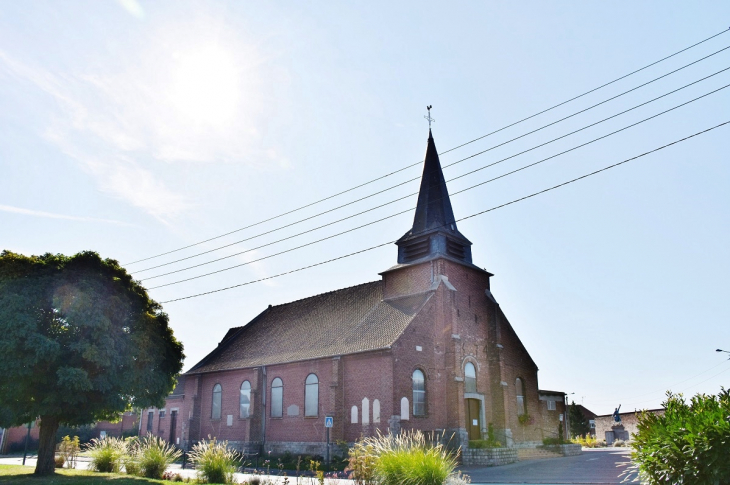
x=46 y=464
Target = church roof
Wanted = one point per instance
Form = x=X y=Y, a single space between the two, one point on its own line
x=346 y=321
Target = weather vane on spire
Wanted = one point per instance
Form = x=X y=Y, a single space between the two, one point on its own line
x=428 y=116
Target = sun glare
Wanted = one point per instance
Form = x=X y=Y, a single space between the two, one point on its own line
x=206 y=86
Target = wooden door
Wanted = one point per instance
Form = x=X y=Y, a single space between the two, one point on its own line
x=173 y=426
x=473 y=419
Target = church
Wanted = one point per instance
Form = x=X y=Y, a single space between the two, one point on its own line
x=424 y=347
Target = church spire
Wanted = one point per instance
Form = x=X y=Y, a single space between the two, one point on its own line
x=434 y=232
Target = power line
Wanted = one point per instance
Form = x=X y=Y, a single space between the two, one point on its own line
x=454 y=163
x=410 y=195
x=534 y=194
x=418 y=163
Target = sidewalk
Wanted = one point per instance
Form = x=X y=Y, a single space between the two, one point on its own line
x=190 y=473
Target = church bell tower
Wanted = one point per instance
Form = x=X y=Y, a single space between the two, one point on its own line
x=434 y=233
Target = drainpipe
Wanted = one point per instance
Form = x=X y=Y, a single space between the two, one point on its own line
x=263 y=411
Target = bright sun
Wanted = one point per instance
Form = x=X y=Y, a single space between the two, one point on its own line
x=206 y=86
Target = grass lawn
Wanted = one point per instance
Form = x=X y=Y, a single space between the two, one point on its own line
x=24 y=475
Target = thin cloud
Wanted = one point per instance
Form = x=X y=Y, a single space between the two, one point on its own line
x=52 y=215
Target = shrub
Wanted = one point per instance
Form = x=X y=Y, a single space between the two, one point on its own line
x=361 y=463
x=690 y=443
x=85 y=433
x=216 y=463
x=154 y=455
x=619 y=443
x=106 y=454
x=554 y=441
x=409 y=459
x=480 y=444
x=69 y=450
x=59 y=460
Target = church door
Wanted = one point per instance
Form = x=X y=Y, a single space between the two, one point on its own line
x=173 y=426
x=473 y=419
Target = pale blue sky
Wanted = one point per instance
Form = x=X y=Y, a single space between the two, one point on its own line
x=132 y=128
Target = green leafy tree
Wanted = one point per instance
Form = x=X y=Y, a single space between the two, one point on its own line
x=81 y=341
x=579 y=425
x=688 y=444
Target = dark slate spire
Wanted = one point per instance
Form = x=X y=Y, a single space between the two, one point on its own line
x=434 y=231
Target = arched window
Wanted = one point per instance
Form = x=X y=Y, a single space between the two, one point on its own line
x=216 y=406
x=311 y=396
x=365 y=411
x=520 y=391
x=353 y=414
x=419 y=393
x=404 y=409
x=245 y=400
x=470 y=378
x=277 y=398
x=376 y=411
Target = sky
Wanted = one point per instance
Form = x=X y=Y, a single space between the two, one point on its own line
x=135 y=128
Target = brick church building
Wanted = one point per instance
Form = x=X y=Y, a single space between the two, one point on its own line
x=425 y=347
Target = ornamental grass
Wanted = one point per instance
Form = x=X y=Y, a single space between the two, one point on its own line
x=215 y=461
x=405 y=459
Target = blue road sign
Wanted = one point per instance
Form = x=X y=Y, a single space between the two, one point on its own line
x=329 y=421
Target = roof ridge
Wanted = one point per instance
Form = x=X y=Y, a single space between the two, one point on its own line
x=325 y=293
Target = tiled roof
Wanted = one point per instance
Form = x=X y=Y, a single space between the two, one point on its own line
x=340 y=322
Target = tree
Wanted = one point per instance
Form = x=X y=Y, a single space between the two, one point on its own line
x=80 y=341
x=689 y=443
x=579 y=426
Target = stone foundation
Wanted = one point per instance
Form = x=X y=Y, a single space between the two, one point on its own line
x=565 y=450
x=488 y=456
x=296 y=448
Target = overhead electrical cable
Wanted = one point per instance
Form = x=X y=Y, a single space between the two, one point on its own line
x=445 y=166
x=639 y=396
x=455 y=178
x=418 y=163
x=534 y=194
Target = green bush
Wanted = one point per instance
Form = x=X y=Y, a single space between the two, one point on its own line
x=106 y=454
x=481 y=444
x=216 y=463
x=408 y=459
x=554 y=441
x=689 y=443
x=154 y=455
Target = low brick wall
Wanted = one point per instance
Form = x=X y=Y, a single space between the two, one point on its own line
x=488 y=456
x=565 y=450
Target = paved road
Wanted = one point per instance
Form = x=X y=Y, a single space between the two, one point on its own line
x=594 y=466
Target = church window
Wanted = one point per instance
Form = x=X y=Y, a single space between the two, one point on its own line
x=245 y=400
x=470 y=378
x=520 y=391
x=277 y=398
x=419 y=393
x=311 y=396
x=216 y=405
x=404 y=409
x=353 y=415
x=365 y=411
x=376 y=411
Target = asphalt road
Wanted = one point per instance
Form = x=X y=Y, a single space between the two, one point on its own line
x=593 y=466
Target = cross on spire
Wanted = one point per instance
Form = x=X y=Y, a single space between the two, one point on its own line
x=428 y=116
